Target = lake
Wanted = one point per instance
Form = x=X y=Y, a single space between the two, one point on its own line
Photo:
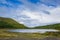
x=33 y=30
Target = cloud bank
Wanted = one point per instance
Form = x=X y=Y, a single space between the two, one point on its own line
x=31 y=12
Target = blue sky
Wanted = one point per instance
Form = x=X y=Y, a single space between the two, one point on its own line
x=31 y=12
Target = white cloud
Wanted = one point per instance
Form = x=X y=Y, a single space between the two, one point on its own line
x=33 y=15
x=55 y=13
x=40 y=17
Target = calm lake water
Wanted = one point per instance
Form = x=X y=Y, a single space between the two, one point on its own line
x=33 y=30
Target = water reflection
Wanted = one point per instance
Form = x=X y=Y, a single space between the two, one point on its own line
x=33 y=30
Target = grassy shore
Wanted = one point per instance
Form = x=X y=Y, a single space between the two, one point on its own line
x=5 y=34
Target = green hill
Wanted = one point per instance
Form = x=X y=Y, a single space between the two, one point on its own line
x=52 y=26
x=10 y=23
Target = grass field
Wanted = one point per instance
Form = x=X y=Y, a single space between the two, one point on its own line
x=5 y=34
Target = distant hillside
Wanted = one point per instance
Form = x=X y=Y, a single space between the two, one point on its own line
x=10 y=23
x=52 y=26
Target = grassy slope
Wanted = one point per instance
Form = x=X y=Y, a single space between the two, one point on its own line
x=10 y=23
x=53 y=26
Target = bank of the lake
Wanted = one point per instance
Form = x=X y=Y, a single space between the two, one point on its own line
x=6 y=34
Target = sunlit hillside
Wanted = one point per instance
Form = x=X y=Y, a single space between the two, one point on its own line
x=10 y=23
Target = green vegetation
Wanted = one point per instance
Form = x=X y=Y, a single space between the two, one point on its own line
x=5 y=34
x=10 y=23
x=52 y=26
